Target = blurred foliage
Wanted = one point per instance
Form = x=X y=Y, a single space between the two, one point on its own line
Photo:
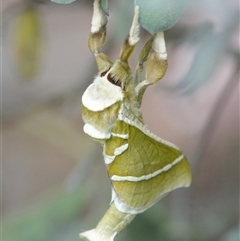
x=63 y=1
x=155 y=224
x=46 y=220
x=27 y=42
x=211 y=47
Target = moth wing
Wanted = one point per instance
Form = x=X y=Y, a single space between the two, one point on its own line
x=149 y=169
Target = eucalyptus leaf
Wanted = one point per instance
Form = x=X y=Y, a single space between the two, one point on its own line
x=159 y=15
x=104 y=6
x=63 y=1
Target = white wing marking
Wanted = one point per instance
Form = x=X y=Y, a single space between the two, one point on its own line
x=146 y=177
x=124 y=208
x=118 y=151
x=93 y=132
x=94 y=97
x=122 y=136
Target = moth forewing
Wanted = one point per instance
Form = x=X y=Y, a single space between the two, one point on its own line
x=146 y=170
x=98 y=112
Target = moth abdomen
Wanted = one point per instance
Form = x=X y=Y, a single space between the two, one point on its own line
x=112 y=223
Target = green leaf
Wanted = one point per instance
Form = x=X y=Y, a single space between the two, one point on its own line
x=104 y=6
x=63 y=1
x=159 y=15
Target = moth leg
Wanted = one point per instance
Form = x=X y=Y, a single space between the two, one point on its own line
x=120 y=70
x=139 y=84
x=141 y=60
x=155 y=55
x=97 y=37
x=132 y=39
x=157 y=59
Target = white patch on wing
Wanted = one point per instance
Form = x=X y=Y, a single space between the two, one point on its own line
x=108 y=159
x=149 y=176
x=123 y=207
x=118 y=151
x=101 y=94
x=93 y=132
x=122 y=136
x=114 y=195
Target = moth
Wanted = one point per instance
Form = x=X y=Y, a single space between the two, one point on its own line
x=141 y=166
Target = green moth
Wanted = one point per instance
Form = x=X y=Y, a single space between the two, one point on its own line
x=141 y=166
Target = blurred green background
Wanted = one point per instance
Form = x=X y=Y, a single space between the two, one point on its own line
x=54 y=183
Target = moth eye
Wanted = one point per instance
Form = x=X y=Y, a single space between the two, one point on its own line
x=103 y=73
x=114 y=81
